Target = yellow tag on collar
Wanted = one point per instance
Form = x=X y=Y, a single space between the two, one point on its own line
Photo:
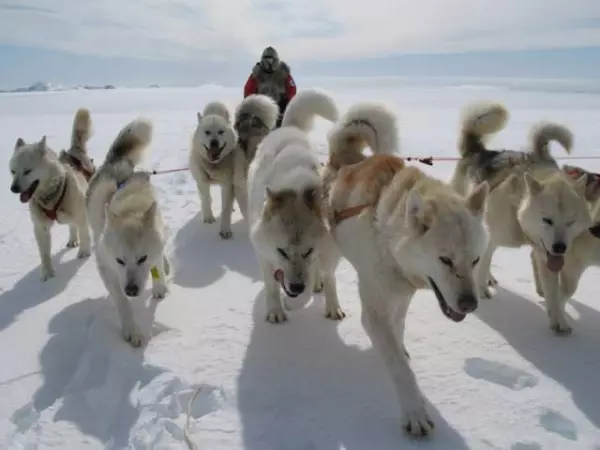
x=154 y=273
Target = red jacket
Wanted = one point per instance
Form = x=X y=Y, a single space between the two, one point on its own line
x=251 y=86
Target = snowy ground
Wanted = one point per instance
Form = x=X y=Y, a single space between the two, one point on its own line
x=499 y=380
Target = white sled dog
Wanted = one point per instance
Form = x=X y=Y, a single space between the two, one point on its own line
x=218 y=156
x=54 y=190
x=532 y=201
x=584 y=252
x=127 y=226
x=286 y=217
x=401 y=230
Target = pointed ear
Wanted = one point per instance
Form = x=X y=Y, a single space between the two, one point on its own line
x=150 y=215
x=533 y=186
x=580 y=185
x=42 y=145
x=20 y=143
x=111 y=217
x=475 y=201
x=199 y=117
x=415 y=213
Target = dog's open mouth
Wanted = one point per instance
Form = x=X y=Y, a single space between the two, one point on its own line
x=554 y=262
x=26 y=195
x=278 y=275
x=448 y=312
x=214 y=153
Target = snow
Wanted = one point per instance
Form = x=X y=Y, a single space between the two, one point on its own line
x=498 y=380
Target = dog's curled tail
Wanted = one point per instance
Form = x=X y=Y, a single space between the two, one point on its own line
x=82 y=129
x=130 y=142
x=215 y=108
x=543 y=133
x=364 y=124
x=480 y=120
x=307 y=104
x=260 y=106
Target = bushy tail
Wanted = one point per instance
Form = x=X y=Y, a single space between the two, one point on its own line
x=82 y=130
x=544 y=132
x=258 y=106
x=480 y=120
x=364 y=124
x=216 y=108
x=307 y=104
x=130 y=142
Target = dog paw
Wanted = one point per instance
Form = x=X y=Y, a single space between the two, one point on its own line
x=485 y=292
x=209 y=219
x=276 y=315
x=225 y=234
x=561 y=328
x=159 y=291
x=418 y=424
x=84 y=253
x=72 y=243
x=318 y=287
x=335 y=313
x=48 y=273
x=133 y=336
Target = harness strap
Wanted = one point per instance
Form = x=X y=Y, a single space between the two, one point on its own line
x=79 y=166
x=348 y=213
x=52 y=214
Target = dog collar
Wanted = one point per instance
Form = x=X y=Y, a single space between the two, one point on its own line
x=52 y=214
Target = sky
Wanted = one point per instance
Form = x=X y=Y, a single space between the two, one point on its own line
x=190 y=42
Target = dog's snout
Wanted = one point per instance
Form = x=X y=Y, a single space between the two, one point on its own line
x=132 y=290
x=214 y=143
x=559 y=248
x=14 y=188
x=297 y=288
x=467 y=303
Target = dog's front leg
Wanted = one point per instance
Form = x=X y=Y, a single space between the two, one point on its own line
x=85 y=239
x=73 y=237
x=275 y=312
x=205 y=200
x=536 y=275
x=159 y=279
x=379 y=325
x=483 y=271
x=44 y=242
x=226 y=209
x=241 y=196
x=555 y=307
x=333 y=310
x=129 y=329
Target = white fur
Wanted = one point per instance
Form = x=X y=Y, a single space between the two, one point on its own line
x=127 y=226
x=214 y=159
x=37 y=163
x=286 y=160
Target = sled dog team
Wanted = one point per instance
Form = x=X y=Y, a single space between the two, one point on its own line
x=400 y=229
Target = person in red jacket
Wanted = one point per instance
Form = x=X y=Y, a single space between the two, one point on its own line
x=271 y=76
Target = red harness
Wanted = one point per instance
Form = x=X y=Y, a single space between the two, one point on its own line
x=52 y=214
x=79 y=167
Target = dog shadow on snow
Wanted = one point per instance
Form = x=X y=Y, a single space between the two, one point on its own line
x=89 y=372
x=302 y=388
x=30 y=291
x=572 y=361
x=202 y=257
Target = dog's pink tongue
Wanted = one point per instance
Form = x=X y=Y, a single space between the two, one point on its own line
x=554 y=263
x=24 y=197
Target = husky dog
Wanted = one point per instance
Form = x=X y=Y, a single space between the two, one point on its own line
x=584 y=252
x=401 y=230
x=127 y=226
x=532 y=201
x=77 y=155
x=287 y=222
x=213 y=159
x=54 y=191
x=255 y=117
